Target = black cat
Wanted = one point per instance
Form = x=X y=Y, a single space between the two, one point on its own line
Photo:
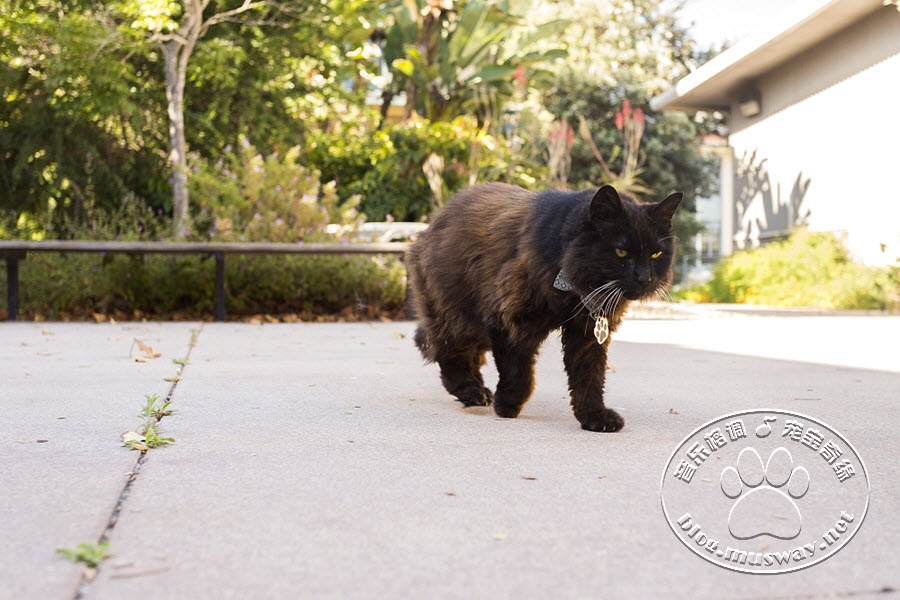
x=501 y=267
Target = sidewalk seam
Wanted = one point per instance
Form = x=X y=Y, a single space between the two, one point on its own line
x=84 y=582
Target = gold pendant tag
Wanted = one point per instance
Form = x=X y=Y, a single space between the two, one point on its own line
x=601 y=329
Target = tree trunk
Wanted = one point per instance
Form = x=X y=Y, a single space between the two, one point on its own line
x=175 y=75
x=177 y=49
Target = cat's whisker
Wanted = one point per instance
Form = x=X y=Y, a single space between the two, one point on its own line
x=612 y=301
x=618 y=298
x=592 y=298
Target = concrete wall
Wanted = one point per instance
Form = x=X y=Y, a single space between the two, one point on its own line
x=825 y=149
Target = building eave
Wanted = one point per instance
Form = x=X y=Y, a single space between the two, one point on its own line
x=715 y=85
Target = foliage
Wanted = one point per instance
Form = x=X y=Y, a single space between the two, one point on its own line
x=668 y=159
x=386 y=168
x=150 y=436
x=244 y=196
x=89 y=553
x=631 y=124
x=807 y=269
x=90 y=286
x=458 y=57
x=83 y=117
x=77 y=123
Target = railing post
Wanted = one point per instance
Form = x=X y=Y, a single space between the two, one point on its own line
x=220 y=285
x=12 y=283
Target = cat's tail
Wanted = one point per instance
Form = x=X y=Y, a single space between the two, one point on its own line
x=421 y=303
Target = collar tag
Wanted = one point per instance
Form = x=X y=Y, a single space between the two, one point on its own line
x=601 y=329
x=601 y=323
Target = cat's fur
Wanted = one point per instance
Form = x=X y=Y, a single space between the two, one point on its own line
x=483 y=277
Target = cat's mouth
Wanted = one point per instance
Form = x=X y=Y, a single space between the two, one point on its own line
x=649 y=292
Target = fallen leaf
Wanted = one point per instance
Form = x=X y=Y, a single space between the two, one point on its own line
x=100 y=318
x=601 y=477
x=672 y=411
x=146 y=348
x=500 y=536
x=397 y=335
x=58 y=418
x=132 y=436
x=46 y=332
x=449 y=494
x=141 y=359
x=529 y=477
x=112 y=321
x=22 y=442
x=136 y=446
x=42 y=353
x=42 y=441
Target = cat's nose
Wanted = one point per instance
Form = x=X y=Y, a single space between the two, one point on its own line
x=642 y=274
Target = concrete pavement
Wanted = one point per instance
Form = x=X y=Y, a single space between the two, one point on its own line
x=324 y=460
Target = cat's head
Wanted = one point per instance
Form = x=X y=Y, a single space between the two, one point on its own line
x=624 y=248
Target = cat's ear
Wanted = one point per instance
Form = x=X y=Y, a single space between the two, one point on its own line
x=606 y=205
x=665 y=210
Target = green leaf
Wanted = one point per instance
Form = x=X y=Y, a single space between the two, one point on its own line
x=491 y=73
x=404 y=65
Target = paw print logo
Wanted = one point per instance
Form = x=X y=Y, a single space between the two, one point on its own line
x=765 y=495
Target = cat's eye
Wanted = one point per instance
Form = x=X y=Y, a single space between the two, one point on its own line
x=656 y=254
x=621 y=253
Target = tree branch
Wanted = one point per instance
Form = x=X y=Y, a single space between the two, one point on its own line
x=228 y=14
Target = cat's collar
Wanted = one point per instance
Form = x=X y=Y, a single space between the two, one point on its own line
x=601 y=323
x=593 y=304
x=589 y=303
x=561 y=284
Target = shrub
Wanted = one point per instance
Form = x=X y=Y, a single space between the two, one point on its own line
x=75 y=286
x=246 y=197
x=807 y=269
x=242 y=197
x=386 y=168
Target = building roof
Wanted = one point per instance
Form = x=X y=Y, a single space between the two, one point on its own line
x=712 y=86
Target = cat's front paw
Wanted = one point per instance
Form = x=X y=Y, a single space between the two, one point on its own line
x=606 y=420
x=506 y=411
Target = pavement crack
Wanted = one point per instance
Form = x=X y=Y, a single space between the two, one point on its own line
x=88 y=576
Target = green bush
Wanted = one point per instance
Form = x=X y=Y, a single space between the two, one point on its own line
x=270 y=198
x=807 y=269
x=246 y=197
x=386 y=168
x=75 y=286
